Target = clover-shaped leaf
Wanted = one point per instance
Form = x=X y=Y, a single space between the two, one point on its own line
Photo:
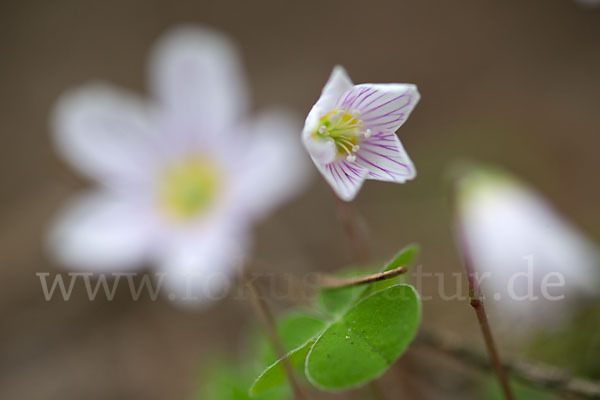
x=294 y=330
x=370 y=336
x=274 y=375
x=371 y=327
x=335 y=302
x=297 y=331
x=228 y=380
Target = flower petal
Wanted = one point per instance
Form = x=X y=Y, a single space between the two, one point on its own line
x=101 y=232
x=504 y=222
x=272 y=167
x=321 y=151
x=337 y=85
x=344 y=177
x=199 y=267
x=516 y=236
x=196 y=74
x=385 y=158
x=104 y=132
x=381 y=106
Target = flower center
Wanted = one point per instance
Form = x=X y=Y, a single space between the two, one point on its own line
x=345 y=129
x=188 y=188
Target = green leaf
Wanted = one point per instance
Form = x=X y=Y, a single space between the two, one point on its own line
x=297 y=331
x=275 y=375
x=404 y=257
x=336 y=301
x=294 y=330
x=366 y=340
x=229 y=381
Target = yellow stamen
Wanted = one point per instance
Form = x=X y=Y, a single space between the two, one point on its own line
x=188 y=188
x=344 y=128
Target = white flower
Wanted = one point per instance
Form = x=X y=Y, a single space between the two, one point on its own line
x=513 y=234
x=350 y=133
x=181 y=178
x=588 y=3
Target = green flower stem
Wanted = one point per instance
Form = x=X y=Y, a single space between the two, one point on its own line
x=268 y=322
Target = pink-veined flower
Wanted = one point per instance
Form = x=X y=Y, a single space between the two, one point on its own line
x=350 y=133
x=181 y=178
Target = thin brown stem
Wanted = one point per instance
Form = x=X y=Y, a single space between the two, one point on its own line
x=477 y=298
x=335 y=282
x=355 y=228
x=479 y=308
x=533 y=374
x=268 y=322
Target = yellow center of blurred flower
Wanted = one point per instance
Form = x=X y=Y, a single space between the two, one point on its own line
x=345 y=129
x=188 y=188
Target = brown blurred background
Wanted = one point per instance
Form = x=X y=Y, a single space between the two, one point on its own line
x=512 y=82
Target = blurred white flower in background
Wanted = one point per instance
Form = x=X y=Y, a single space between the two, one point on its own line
x=181 y=178
x=588 y=3
x=511 y=232
x=350 y=133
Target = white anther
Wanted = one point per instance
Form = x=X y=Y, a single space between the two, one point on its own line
x=351 y=158
x=322 y=129
x=355 y=148
x=367 y=133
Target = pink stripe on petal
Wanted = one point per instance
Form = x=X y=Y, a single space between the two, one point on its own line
x=366 y=97
x=392 y=122
x=373 y=165
x=391 y=147
x=384 y=104
x=337 y=173
x=330 y=167
x=345 y=178
x=352 y=97
x=390 y=113
x=385 y=158
x=389 y=106
x=351 y=172
x=389 y=158
x=345 y=101
x=374 y=100
x=384 y=138
x=350 y=105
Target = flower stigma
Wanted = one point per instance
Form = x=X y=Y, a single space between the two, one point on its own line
x=188 y=188
x=345 y=129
